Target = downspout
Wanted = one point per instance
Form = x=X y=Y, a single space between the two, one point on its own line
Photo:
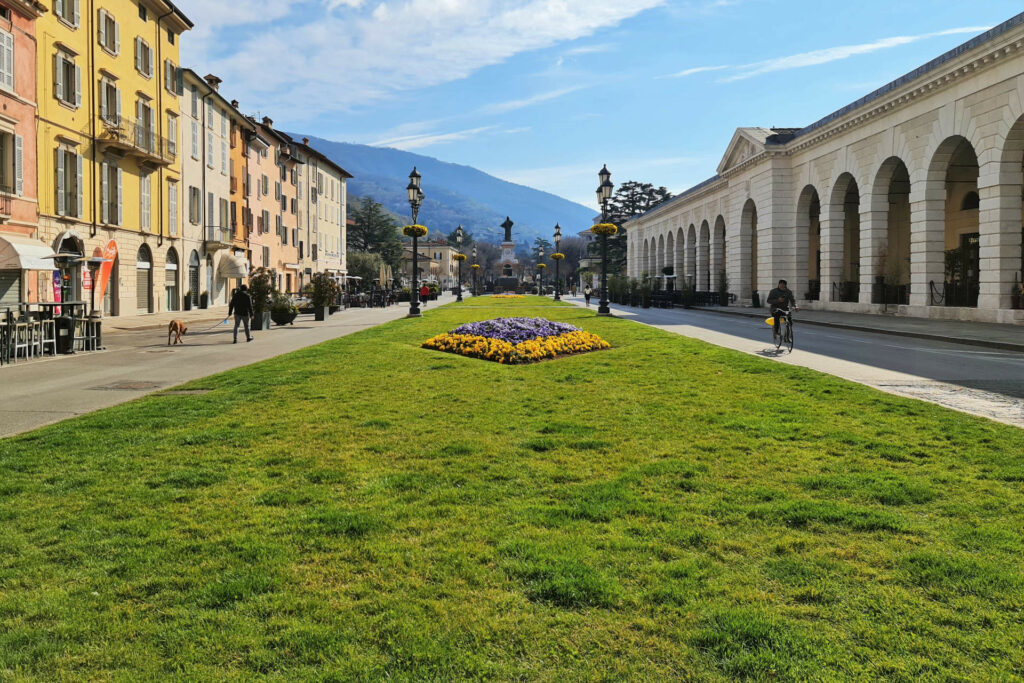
x=203 y=159
x=160 y=126
x=94 y=226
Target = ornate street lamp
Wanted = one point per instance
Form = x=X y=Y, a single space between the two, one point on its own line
x=475 y=267
x=460 y=257
x=415 y=231
x=604 y=194
x=556 y=257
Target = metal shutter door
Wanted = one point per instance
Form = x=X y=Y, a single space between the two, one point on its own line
x=10 y=288
x=142 y=288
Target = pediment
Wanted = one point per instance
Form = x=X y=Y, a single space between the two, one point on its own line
x=744 y=145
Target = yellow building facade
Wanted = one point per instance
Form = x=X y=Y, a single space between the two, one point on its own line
x=109 y=147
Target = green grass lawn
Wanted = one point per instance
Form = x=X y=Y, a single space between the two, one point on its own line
x=368 y=509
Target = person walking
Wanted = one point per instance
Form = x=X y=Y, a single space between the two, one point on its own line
x=424 y=295
x=587 y=293
x=241 y=307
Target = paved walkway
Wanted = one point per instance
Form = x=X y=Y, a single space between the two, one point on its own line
x=935 y=368
x=990 y=335
x=138 y=361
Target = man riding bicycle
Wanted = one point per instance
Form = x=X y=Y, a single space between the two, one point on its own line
x=780 y=299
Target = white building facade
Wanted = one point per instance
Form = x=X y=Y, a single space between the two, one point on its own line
x=322 y=198
x=909 y=198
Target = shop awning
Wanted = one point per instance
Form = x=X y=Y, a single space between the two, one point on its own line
x=232 y=267
x=18 y=252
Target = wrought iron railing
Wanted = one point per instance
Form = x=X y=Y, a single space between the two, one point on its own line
x=846 y=292
x=954 y=293
x=220 y=234
x=6 y=200
x=139 y=137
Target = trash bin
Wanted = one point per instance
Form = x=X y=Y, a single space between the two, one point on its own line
x=65 y=326
x=755 y=300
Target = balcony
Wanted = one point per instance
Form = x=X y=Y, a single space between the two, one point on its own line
x=137 y=140
x=234 y=185
x=6 y=198
x=218 y=237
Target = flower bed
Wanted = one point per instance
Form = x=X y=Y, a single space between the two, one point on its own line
x=508 y=296
x=516 y=340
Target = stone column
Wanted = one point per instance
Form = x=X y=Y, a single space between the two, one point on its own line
x=874 y=235
x=1000 y=234
x=831 y=252
x=927 y=239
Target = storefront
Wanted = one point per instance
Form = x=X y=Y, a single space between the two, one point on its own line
x=19 y=255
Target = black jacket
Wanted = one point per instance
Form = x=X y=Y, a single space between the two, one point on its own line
x=786 y=297
x=241 y=304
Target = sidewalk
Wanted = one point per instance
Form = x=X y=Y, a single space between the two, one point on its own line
x=154 y=321
x=991 y=335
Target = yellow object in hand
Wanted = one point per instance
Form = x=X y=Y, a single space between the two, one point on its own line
x=770 y=321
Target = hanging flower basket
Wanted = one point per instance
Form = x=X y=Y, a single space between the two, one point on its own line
x=542 y=266
x=607 y=229
x=414 y=231
x=459 y=257
x=475 y=266
x=557 y=257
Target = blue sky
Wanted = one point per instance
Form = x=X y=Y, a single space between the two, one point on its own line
x=543 y=92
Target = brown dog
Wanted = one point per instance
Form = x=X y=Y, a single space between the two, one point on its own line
x=176 y=329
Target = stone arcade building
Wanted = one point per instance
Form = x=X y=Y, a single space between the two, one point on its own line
x=908 y=197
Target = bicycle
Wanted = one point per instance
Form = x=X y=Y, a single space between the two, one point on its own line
x=783 y=336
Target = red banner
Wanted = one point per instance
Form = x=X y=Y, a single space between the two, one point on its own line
x=103 y=276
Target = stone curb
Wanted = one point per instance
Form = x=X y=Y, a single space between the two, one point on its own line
x=970 y=341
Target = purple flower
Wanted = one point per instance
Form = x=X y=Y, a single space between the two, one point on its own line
x=515 y=330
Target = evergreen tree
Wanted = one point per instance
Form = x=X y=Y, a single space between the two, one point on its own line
x=374 y=231
x=631 y=199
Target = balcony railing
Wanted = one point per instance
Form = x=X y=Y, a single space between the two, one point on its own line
x=138 y=139
x=218 y=235
x=6 y=195
x=234 y=185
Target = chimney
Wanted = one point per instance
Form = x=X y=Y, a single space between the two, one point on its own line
x=268 y=122
x=213 y=81
x=234 y=103
x=305 y=141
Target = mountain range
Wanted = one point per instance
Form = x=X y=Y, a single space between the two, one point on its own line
x=454 y=194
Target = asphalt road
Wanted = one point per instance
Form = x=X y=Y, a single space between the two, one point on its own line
x=985 y=382
x=138 y=362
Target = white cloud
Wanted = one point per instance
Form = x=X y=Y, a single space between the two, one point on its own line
x=824 y=56
x=589 y=49
x=429 y=139
x=302 y=63
x=512 y=105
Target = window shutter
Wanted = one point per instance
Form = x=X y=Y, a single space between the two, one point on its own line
x=61 y=193
x=144 y=201
x=105 y=192
x=60 y=8
x=19 y=174
x=120 y=189
x=172 y=208
x=58 y=76
x=78 y=86
x=79 y=185
x=8 y=60
x=138 y=54
x=104 y=113
x=117 y=100
x=117 y=38
x=77 y=17
x=103 y=27
x=180 y=81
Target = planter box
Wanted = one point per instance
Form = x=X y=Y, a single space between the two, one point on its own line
x=320 y=313
x=204 y=301
x=261 y=321
x=333 y=309
x=188 y=303
x=283 y=317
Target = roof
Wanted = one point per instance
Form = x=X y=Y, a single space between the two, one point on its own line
x=324 y=159
x=210 y=90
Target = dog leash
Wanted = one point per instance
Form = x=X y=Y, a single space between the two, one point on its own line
x=214 y=326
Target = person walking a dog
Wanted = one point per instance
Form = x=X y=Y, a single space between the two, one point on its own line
x=241 y=306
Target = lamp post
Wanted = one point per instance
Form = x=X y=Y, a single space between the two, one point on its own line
x=604 y=194
x=458 y=240
x=415 y=201
x=540 y=270
x=475 y=267
x=557 y=256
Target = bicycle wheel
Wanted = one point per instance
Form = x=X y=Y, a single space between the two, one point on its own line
x=789 y=336
x=777 y=336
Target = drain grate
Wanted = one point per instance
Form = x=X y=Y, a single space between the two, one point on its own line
x=130 y=386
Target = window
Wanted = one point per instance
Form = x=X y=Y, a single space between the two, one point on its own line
x=298 y=191
x=143 y=58
x=110 y=102
x=5 y=13
x=145 y=202
x=266 y=185
x=145 y=132
x=223 y=157
x=6 y=61
x=69 y=183
x=67 y=85
x=209 y=209
x=277 y=190
x=209 y=118
x=265 y=221
x=223 y=213
x=209 y=149
x=195 y=101
x=223 y=124
x=170 y=36
x=142 y=11
x=110 y=33
x=172 y=134
x=194 y=205
x=12 y=173
x=111 y=192
x=195 y=139
x=171 y=77
x=67 y=10
x=172 y=208
x=266 y=256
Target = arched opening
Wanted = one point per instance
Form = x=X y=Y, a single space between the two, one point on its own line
x=691 y=257
x=193 y=278
x=144 y=280
x=718 y=256
x=961 y=239
x=645 y=267
x=679 y=258
x=1002 y=256
x=891 y=198
x=808 y=245
x=748 y=250
x=171 y=281
x=660 y=265
x=843 y=242
x=704 y=258
x=669 y=269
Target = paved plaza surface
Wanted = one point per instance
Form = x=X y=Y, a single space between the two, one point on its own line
x=962 y=376
x=139 y=362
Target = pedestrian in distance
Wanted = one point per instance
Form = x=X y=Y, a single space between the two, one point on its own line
x=241 y=307
x=587 y=293
x=424 y=294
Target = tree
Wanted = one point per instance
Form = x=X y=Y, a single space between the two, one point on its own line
x=631 y=199
x=541 y=243
x=374 y=230
x=364 y=265
x=467 y=240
